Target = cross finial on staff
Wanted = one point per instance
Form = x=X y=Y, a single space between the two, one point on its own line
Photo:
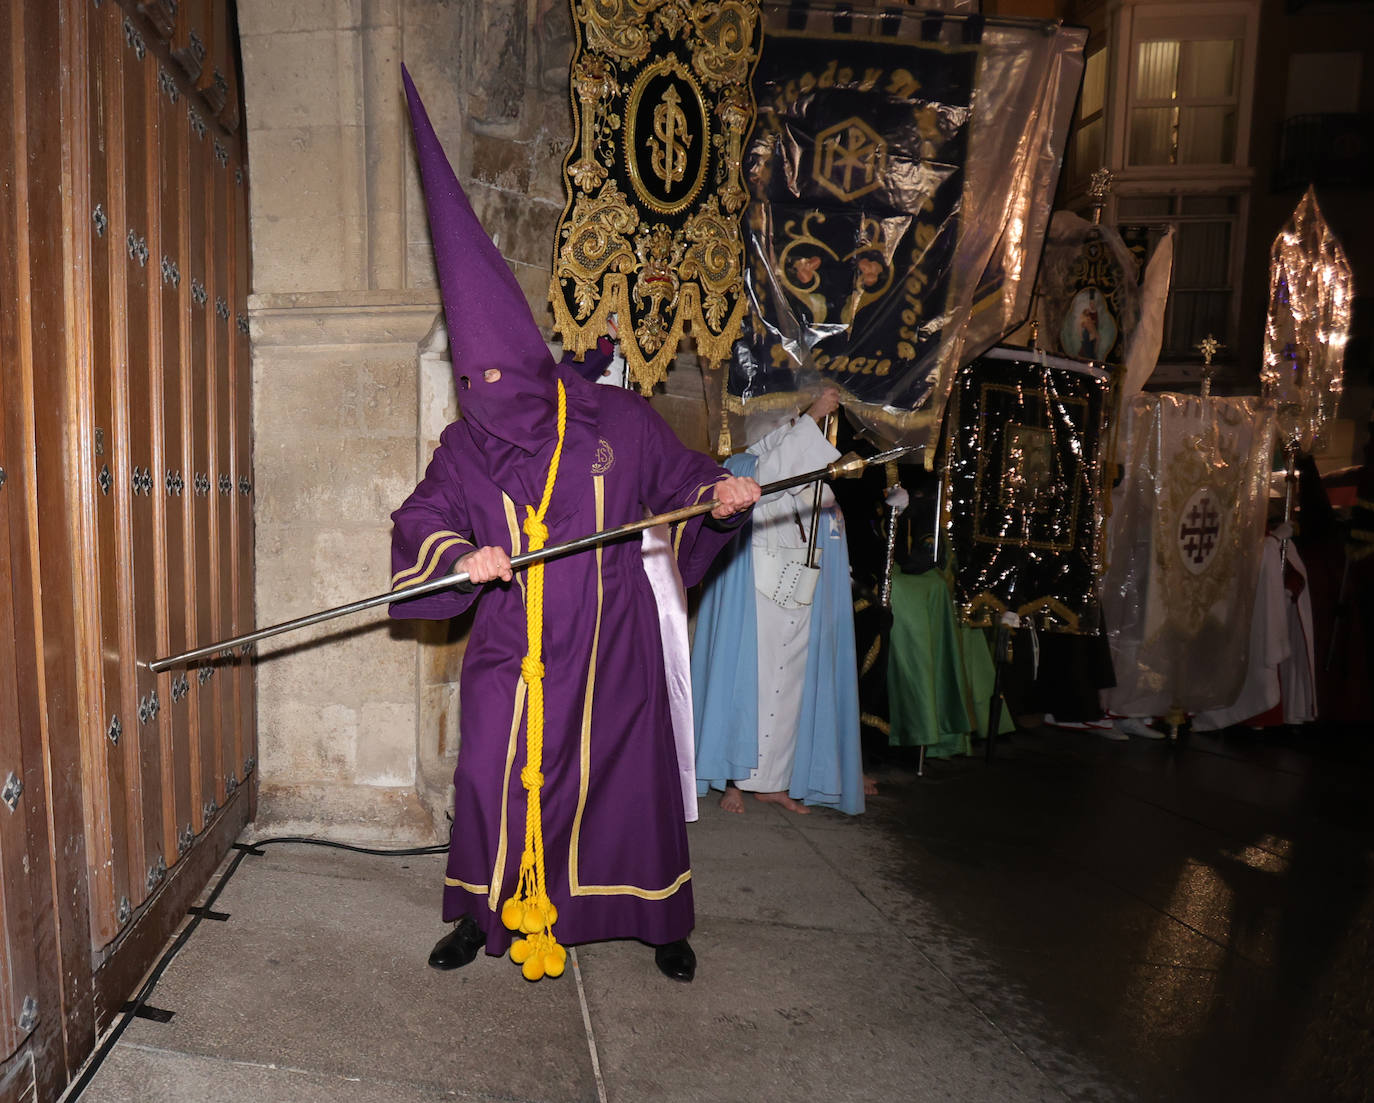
x=1099 y=187
x=1209 y=346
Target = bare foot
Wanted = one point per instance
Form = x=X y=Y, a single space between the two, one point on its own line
x=870 y=786
x=732 y=801
x=787 y=802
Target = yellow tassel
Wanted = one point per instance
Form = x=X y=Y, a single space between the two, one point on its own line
x=530 y=910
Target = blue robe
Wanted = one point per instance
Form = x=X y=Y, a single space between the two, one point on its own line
x=827 y=767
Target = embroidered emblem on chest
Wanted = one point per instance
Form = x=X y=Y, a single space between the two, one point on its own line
x=605 y=457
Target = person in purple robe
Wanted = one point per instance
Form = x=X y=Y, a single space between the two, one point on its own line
x=614 y=837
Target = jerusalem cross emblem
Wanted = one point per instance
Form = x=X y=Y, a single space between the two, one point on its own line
x=1199 y=530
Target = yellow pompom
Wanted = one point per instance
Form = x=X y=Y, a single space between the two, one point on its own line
x=520 y=951
x=533 y=922
x=560 y=951
x=512 y=914
x=553 y=964
x=533 y=968
x=550 y=914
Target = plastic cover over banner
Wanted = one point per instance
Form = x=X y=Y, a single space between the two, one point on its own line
x=901 y=173
x=1184 y=546
x=1023 y=489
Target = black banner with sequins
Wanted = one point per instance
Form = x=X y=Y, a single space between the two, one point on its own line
x=1023 y=489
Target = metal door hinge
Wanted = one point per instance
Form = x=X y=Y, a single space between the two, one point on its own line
x=13 y=790
x=156 y=872
x=221 y=308
x=245 y=485
x=125 y=910
x=100 y=219
x=115 y=730
x=199 y=296
x=181 y=688
x=226 y=484
x=197 y=123
x=138 y=248
x=142 y=481
x=28 y=1014
x=170 y=272
x=210 y=809
x=202 y=483
x=168 y=84
x=221 y=154
x=105 y=479
x=174 y=483
x=186 y=839
x=204 y=674
x=134 y=40
x=241 y=320
x=148 y=707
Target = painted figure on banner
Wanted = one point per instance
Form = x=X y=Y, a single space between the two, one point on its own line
x=568 y=820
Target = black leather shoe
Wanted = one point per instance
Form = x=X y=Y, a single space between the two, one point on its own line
x=676 y=961
x=459 y=946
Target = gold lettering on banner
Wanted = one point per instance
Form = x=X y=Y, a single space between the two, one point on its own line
x=669 y=159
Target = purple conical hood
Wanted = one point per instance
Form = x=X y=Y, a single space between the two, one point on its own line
x=489 y=321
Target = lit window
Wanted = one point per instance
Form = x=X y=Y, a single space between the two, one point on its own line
x=1184 y=102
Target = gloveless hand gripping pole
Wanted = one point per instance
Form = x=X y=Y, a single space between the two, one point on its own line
x=847 y=466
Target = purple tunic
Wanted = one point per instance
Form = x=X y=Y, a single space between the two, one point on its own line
x=614 y=837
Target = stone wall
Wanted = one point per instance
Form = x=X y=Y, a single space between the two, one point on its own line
x=358 y=718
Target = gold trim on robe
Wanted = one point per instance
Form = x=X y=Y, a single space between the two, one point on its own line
x=428 y=557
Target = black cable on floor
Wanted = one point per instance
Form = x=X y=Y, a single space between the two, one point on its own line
x=130 y=1011
x=408 y=853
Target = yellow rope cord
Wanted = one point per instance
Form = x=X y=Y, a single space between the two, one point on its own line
x=530 y=910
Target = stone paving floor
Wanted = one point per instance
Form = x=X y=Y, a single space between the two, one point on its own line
x=1077 y=919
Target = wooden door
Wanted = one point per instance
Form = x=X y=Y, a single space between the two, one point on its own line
x=125 y=505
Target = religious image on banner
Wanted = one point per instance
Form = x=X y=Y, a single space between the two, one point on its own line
x=1023 y=484
x=1088 y=291
x=884 y=177
x=650 y=232
x=1183 y=550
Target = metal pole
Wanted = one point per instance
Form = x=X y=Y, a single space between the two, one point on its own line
x=1290 y=478
x=816 y=503
x=885 y=593
x=845 y=466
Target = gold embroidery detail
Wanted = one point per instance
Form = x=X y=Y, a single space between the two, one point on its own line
x=662 y=104
x=605 y=457
x=670 y=138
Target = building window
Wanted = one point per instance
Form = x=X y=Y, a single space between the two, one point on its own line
x=1184 y=102
x=1202 y=295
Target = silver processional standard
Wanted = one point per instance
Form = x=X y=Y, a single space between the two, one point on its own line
x=847 y=466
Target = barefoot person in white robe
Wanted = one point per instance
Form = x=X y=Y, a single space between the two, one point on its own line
x=748 y=739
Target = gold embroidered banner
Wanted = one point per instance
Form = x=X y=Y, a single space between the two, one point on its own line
x=650 y=232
